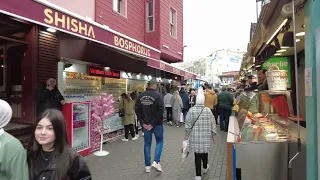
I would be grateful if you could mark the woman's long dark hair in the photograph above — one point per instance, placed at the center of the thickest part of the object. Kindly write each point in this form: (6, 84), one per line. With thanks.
(61, 145)
(133, 96)
(125, 96)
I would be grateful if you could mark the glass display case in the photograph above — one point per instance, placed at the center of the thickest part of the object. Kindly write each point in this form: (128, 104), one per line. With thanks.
(263, 115)
(263, 138)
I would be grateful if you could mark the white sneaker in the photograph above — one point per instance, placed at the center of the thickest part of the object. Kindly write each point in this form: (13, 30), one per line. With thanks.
(142, 134)
(156, 166)
(205, 171)
(137, 135)
(148, 169)
(170, 123)
(177, 126)
(135, 138)
(198, 178)
(125, 140)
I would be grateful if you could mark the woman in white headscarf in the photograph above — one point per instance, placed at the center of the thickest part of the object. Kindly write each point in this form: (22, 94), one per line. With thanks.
(176, 103)
(200, 130)
(13, 158)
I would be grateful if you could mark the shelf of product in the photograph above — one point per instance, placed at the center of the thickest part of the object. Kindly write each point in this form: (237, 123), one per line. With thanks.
(136, 86)
(81, 130)
(77, 84)
(115, 87)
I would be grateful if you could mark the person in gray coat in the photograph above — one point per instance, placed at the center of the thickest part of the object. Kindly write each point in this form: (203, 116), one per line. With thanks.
(177, 106)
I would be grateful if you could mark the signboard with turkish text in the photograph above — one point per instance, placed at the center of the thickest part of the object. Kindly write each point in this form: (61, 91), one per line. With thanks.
(283, 63)
(100, 71)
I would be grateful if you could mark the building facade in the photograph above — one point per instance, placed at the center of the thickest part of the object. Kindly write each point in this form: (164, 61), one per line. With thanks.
(211, 67)
(153, 22)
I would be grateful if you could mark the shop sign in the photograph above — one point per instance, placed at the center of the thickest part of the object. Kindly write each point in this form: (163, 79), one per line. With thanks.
(60, 20)
(283, 63)
(100, 71)
(42, 13)
(131, 46)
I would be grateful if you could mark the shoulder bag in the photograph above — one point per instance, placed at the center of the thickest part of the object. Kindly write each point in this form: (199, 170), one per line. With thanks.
(185, 143)
(122, 110)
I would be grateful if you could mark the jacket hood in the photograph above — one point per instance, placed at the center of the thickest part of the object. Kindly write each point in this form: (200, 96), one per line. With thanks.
(211, 91)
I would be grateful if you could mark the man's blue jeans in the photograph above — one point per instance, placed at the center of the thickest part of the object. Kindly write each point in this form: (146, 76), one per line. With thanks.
(158, 133)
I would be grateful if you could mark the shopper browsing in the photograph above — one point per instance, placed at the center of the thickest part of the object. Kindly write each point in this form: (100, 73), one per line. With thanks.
(149, 110)
(128, 121)
(167, 102)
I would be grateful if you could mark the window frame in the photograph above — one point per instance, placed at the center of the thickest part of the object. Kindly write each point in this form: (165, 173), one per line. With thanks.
(173, 11)
(148, 16)
(120, 7)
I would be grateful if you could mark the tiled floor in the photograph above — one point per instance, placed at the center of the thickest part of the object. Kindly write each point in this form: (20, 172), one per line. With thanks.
(125, 161)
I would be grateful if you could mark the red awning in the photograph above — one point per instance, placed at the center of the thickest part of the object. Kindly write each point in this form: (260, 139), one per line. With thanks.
(158, 64)
(76, 25)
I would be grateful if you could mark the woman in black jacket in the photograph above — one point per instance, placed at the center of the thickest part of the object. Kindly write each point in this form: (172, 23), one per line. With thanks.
(49, 154)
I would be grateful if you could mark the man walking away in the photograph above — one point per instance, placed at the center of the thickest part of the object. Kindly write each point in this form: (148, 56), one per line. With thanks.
(211, 100)
(149, 110)
(225, 102)
(167, 102)
(185, 101)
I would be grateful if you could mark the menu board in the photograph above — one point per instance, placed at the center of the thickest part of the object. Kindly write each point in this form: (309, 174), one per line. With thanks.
(80, 121)
(80, 85)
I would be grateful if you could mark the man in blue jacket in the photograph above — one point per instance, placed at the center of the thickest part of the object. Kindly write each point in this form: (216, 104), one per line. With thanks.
(149, 110)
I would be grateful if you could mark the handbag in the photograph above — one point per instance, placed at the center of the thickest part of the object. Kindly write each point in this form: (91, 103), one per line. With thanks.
(122, 110)
(185, 143)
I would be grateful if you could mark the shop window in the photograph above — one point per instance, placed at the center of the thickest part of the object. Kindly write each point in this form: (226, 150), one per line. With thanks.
(120, 6)
(150, 15)
(173, 23)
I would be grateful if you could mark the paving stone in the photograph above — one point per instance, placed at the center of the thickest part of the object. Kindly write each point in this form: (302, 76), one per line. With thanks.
(126, 160)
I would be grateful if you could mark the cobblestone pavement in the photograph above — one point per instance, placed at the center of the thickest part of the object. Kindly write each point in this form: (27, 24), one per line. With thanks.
(126, 162)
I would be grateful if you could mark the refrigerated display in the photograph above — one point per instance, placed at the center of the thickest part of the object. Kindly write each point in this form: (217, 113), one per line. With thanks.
(264, 137)
(77, 116)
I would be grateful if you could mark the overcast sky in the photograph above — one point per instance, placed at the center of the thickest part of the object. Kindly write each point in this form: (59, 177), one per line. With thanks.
(210, 25)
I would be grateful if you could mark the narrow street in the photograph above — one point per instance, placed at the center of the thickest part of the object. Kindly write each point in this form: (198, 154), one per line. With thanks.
(125, 161)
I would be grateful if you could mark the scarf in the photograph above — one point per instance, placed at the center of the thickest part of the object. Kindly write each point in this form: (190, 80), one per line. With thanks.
(5, 115)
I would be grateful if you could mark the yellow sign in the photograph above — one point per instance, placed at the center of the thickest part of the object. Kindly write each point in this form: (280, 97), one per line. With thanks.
(131, 46)
(63, 21)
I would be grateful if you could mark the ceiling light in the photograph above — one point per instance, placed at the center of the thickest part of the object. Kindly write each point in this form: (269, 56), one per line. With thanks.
(285, 47)
(278, 54)
(51, 30)
(281, 50)
(2, 66)
(300, 34)
(276, 32)
(298, 40)
(303, 26)
(258, 65)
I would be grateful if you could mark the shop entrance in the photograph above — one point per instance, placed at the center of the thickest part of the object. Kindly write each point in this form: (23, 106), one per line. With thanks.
(13, 46)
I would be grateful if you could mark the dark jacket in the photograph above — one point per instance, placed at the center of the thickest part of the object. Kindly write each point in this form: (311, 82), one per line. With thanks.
(192, 100)
(78, 169)
(251, 87)
(150, 107)
(263, 85)
(185, 98)
(47, 99)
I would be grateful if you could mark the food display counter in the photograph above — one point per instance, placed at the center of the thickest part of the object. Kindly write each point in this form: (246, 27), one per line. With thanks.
(262, 139)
